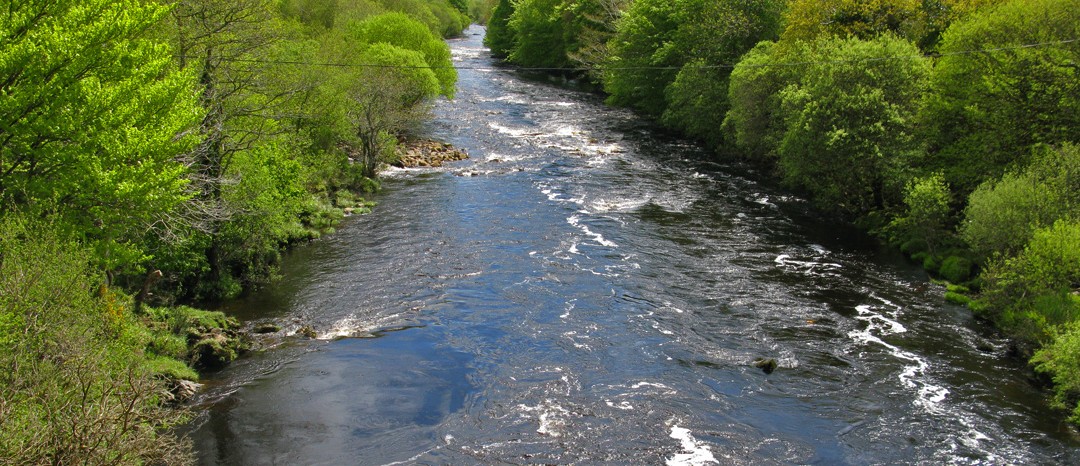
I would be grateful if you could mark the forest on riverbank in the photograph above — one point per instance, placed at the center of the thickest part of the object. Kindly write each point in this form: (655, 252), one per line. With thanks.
(163, 152)
(948, 128)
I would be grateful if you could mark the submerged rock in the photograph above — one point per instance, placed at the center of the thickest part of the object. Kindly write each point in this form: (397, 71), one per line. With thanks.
(767, 365)
(267, 328)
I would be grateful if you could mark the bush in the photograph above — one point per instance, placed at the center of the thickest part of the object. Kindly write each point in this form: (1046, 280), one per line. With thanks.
(1032, 292)
(1002, 215)
(927, 201)
(71, 391)
(956, 269)
(1060, 359)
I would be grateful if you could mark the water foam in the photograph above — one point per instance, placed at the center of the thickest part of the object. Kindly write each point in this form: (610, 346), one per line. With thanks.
(697, 453)
(575, 221)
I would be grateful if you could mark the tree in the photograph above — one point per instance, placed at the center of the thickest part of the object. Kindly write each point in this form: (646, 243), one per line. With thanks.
(714, 34)
(993, 96)
(928, 205)
(500, 38)
(850, 122)
(755, 121)
(644, 56)
(1002, 214)
(400, 30)
(540, 30)
(93, 118)
(388, 98)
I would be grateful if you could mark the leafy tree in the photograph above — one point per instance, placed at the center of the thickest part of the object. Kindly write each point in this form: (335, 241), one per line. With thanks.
(321, 13)
(480, 10)
(594, 28)
(538, 26)
(388, 99)
(987, 108)
(500, 38)
(920, 21)
(810, 19)
(755, 121)
(715, 34)
(402, 31)
(644, 56)
(928, 203)
(93, 118)
(850, 121)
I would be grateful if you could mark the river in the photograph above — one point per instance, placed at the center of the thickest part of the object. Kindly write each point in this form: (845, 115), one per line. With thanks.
(588, 290)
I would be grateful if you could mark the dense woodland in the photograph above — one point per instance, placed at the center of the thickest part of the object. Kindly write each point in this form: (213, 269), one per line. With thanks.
(948, 128)
(163, 152)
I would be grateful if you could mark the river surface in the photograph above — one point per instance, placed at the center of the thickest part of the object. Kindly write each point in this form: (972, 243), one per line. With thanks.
(587, 290)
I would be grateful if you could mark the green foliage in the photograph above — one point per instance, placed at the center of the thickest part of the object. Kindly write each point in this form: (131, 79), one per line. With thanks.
(93, 118)
(644, 58)
(956, 269)
(920, 21)
(71, 391)
(714, 33)
(986, 109)
(849, 122)
(441, 18)
(480, 10)
(1002, 215)
(538, 26)
(1060, 359)
(400, 30)
(927, 216)
(755, 121)
(500, 38)
(1032, 292)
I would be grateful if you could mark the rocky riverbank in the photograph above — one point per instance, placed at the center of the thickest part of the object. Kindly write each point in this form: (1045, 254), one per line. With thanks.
(427, 153)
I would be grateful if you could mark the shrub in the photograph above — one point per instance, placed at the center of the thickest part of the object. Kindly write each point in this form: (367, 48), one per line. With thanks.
(1060, 359)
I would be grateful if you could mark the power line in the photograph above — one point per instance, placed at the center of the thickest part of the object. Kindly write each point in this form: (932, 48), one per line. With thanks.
(649, 68)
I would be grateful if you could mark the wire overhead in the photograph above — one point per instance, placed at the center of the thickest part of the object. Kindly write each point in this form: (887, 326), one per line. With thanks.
(657, 68)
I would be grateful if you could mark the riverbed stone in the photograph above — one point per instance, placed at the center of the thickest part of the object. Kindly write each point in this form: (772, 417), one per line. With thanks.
(767, 365)
(426, 153)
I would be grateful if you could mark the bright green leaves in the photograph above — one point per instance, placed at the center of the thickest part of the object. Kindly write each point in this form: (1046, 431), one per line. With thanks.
(1002, 214)
(500, 38)
(644, 59)
(987, 108)
(400, 30)
(539, 28)
(850, 121)
(93, 118)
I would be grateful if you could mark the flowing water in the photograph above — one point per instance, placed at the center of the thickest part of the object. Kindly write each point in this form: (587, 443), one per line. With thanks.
(587, 290)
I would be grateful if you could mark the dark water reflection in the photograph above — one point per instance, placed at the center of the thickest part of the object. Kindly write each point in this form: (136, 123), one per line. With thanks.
(585, 290)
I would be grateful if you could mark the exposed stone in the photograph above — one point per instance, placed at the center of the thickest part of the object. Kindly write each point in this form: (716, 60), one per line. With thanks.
(185, 390)
(307, 331)
(767, 365)
(267, 328)
(415, 154)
